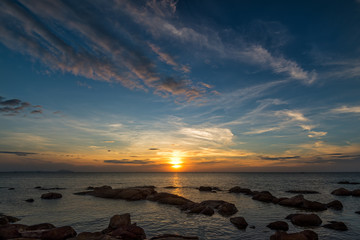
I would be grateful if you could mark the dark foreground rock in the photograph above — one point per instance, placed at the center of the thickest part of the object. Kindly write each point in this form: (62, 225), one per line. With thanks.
(341, 192)
(59, 233)
(305, 220)
(4, 219)
(302, 191)
(173, 237)
(278, 225)
(339, 226)
(51, 195)
(304, 235)
(336, 205)
(239, 222)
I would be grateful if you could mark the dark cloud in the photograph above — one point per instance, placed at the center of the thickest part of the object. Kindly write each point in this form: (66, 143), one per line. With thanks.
(22, 154)
(88, 39)
(279, 158)
(153, 149)
(13, 107)
(127, 161)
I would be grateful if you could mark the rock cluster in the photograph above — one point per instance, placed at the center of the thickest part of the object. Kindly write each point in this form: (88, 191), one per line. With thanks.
(345, 192)
(208, 189)
(297, 201)
(304, 235)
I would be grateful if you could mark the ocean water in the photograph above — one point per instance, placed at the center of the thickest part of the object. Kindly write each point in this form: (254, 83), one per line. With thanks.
(87, 213)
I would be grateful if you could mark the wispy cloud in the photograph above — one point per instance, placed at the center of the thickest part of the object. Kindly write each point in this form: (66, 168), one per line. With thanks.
(222, 135)
(346, 109)
(127, 161)
(263, 130)
(22, 154)
(293, 115)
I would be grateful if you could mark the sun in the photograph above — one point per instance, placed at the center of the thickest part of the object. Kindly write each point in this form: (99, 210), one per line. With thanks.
(175, 160)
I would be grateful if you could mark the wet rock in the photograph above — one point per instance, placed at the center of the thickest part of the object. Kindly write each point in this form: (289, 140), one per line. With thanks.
(171, 187)
(278, 225)
(208, 189)
(59, 233)
(89, 188)
(4, 219)
(347, 182)
(238, 189)
(90, 236)
(313, 205)
(168, 198)
(130, 232)
(304, 235)
(356, 193)
(239, 222)
(53, 188)
(51, 195)
(336, 205)
(207, 211)
(29, 200)
(118, 221)
(227, 209)
(302, 191)
(173, 237)
(264, 196)
(41, 226)
(11, 188)
(295, 201)
(38, 187)
(305, 220)
(10, 231)
(341, 192)
(358, 212)
(339, 226)
(104, 187)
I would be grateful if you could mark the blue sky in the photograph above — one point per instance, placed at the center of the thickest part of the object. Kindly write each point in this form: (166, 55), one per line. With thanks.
(180, 85)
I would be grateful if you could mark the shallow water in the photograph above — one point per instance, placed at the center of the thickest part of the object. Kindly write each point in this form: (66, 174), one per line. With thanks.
(87, 213)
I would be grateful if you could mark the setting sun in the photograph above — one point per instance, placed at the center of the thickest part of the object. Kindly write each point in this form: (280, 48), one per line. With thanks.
(175, 160)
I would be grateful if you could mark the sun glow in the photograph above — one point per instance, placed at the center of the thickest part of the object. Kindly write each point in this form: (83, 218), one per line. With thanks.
(175, 160)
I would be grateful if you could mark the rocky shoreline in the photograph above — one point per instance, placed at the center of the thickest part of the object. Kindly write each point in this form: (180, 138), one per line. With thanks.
(120, 226)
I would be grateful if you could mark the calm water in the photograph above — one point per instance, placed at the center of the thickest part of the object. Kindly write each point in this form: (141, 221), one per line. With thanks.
(87, 213)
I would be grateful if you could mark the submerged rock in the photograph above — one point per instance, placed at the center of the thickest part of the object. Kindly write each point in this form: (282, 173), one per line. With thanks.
(304, 235)
(238, 189)
(51, 195)
(278, 225)
(173, 237)
(341, 192)
(168, 198)
(29, 200)
(339, 226)
(239, 222)
(303, 191)
(305, 220)
(208, 189)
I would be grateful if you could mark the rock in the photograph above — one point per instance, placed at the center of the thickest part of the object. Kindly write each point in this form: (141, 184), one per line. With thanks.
(38, 187)
(358, 212)
(356, 193)
(227, 209)
(105, 187)
(264, 196)
(173, 237)
(53, 188)
(7, 219)
(207, 211)
(130, 194)
(295, 201)
(339, 226)
(10, 231)
(59, 233)
(205, 189)
(90, 236)
(40, 226)
(168, 198)
(51, 195)
(29, 200)
(302, 191)
(341, 192)
(304, 235)
(305, 220)
(239, 222)
(130, 232)
(347, 182)
(11, 188)
(313, 205)
(89, 188)
(278, 225)
(117, 221)
(171, 187)
(238, 189)
(336, 205)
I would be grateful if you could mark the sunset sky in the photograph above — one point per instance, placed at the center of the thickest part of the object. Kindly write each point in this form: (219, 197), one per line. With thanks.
(184, 85)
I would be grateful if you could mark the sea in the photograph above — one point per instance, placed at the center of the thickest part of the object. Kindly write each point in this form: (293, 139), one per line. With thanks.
(90, 214)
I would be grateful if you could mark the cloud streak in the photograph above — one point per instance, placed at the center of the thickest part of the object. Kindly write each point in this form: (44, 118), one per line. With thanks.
(127, 161)
(14, 107)
(21, 154)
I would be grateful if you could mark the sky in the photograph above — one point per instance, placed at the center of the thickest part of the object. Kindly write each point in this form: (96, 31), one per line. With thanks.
(191, 86)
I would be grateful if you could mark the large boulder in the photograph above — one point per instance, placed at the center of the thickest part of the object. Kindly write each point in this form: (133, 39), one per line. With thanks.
(339, 226)
(59, 233)
(341, 192)
(51, 195)
(295, 201)
(313, 205)
(336, 205)
(41, 226)
(278, 225)
(129, 232)
(239, 222)
(304, 235)
(227, 209)
(117, 221)
(10, 231)
(305, 220)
